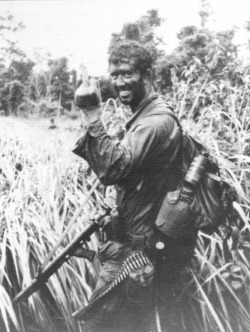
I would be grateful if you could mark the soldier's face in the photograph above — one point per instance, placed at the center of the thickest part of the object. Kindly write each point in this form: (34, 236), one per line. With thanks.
(128, 82)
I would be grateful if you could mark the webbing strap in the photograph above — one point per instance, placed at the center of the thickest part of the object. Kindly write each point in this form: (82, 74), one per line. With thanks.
(138, 242)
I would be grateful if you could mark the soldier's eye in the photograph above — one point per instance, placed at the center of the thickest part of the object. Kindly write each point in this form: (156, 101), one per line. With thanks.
(128, 74)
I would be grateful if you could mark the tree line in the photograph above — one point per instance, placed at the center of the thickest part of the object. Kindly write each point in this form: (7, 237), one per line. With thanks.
(203, 70)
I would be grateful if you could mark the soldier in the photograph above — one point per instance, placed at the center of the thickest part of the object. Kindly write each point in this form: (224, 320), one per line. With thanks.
(143, 166)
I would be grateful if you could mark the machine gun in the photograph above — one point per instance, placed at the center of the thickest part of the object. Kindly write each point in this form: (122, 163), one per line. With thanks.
(72, 249)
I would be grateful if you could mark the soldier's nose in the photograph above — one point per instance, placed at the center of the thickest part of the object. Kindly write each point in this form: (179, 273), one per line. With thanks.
(120, 81)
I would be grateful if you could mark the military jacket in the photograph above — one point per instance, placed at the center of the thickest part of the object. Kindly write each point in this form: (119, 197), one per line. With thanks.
(143, 165)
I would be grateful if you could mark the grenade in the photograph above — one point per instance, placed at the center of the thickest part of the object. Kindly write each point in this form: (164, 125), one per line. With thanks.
(195, 171)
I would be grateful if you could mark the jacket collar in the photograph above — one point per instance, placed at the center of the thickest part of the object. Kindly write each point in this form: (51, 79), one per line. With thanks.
(141, 111)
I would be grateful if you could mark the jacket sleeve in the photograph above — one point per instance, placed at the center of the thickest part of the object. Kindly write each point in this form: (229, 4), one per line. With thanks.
(113, 162)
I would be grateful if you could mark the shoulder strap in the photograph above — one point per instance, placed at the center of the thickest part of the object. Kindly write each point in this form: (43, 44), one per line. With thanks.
(171, 113)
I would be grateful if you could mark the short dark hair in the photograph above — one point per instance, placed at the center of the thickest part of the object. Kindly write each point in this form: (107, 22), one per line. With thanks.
(131, 52)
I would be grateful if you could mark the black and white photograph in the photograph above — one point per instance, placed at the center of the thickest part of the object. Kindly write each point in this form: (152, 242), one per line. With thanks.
(124, 166)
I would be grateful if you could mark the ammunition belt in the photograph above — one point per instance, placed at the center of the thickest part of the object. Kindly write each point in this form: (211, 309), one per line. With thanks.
(134, 261)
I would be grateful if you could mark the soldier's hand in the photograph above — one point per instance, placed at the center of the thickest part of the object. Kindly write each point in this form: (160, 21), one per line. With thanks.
(106, 231)
(87, 99)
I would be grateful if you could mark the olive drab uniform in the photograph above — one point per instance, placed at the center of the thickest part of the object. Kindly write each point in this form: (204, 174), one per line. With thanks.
(143, 165)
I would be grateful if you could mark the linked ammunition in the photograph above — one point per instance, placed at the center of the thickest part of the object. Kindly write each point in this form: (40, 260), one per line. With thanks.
(133, 262)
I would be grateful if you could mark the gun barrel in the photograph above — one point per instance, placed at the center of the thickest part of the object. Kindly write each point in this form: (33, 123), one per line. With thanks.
(52, 267)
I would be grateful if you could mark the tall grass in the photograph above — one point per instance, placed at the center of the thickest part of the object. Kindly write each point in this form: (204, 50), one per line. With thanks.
(41, 189)
(219, 283)
(42, 184)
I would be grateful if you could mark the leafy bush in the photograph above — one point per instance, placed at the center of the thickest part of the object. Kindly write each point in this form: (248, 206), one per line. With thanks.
(47, 108)
(12, 95)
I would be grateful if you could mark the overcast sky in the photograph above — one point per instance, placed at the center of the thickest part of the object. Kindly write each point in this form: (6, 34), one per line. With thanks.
(81, 30)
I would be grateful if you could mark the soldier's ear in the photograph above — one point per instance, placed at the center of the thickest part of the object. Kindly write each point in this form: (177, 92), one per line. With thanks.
(147, 77)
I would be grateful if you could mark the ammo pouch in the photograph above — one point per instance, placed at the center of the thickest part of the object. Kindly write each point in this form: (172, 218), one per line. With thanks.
(192, 208)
